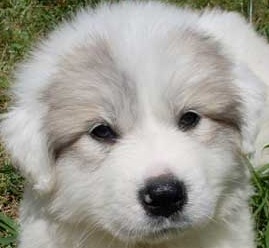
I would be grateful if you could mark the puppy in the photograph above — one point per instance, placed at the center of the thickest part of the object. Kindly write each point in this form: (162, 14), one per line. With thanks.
(132, 123)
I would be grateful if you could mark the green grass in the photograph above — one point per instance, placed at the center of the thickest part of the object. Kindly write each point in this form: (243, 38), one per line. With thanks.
(260, 204)
(23, 22)
(11, 187)
(10, 229)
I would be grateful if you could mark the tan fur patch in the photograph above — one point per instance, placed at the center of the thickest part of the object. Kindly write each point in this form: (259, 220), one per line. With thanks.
(205, 82)
(88, 88)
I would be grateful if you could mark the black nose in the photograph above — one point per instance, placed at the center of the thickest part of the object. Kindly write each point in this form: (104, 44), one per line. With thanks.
(163, 196)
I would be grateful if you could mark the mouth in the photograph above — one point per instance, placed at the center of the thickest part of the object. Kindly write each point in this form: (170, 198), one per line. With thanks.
(158, 230)
(160, 235)
(164, 233)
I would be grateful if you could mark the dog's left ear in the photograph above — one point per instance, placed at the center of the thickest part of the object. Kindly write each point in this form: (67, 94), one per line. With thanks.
(253, 94)
(26, 142)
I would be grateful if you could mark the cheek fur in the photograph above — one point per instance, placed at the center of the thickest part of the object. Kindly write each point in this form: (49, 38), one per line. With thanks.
(214, 133)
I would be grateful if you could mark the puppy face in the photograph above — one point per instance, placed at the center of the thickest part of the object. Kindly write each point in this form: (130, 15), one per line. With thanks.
(143, 149)
(134, 126)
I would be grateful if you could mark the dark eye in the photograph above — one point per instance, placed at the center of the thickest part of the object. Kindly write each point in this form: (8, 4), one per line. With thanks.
(189, 120)
(103, 132)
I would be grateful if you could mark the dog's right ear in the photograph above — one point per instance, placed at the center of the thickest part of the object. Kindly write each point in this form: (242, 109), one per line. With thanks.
(253, 96)
(26, 142)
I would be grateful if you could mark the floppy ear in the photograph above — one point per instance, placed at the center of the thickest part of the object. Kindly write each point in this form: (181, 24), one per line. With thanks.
(253, 94)
(26, 142)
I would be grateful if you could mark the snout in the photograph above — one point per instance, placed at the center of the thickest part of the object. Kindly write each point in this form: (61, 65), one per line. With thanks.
(163, 196)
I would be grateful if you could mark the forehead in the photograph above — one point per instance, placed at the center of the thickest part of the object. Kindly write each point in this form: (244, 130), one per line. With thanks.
(117, 81)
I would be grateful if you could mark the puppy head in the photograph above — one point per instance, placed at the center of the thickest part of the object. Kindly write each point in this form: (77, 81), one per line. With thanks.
(138, 135)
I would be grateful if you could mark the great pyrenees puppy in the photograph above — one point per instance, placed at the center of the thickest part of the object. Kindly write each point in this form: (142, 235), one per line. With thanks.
(131, 125)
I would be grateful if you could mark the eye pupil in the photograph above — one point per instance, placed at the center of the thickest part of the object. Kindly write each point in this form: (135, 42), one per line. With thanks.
(103, 132)
(189, 120)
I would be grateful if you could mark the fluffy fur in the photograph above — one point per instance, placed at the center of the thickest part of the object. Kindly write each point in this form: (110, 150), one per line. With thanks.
(138, 66)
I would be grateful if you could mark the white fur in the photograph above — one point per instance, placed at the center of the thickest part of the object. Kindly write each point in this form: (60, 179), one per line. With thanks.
(68, 205)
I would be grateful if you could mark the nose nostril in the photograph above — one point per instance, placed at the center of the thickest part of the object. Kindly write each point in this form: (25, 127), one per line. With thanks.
(163, 196)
